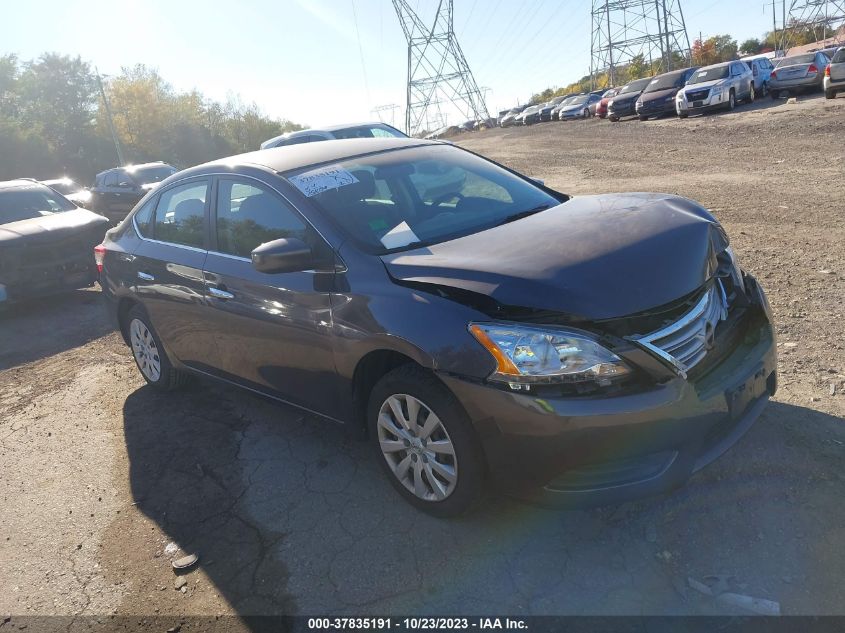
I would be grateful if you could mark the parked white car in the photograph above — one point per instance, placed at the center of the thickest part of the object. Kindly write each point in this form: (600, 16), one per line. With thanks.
(717, 86)
(834, 75)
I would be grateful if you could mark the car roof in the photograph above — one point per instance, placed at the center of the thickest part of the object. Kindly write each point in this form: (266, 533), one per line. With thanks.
(19, 182)
(155, 163)
(56, 181)
(289, 157)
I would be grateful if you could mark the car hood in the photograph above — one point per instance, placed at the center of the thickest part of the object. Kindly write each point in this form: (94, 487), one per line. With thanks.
(625, 98)
(703, 85)
(658, 95)
(591, 258)
(51, 228)
(573, 107)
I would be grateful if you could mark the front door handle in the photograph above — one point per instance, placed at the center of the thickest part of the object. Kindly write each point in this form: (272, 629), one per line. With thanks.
(220, 294)
(146, 276)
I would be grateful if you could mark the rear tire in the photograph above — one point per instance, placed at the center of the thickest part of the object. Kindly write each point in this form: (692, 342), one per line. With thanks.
(613, 119)
(683, 115)
(149, 354)
(764, 89)
(829, 94)
(445, 481)
(751, 94)
(731, 100)
(775, 94)
(643, 118)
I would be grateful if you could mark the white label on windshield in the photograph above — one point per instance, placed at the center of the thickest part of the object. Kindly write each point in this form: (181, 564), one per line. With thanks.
(399, 236)
(322, 179)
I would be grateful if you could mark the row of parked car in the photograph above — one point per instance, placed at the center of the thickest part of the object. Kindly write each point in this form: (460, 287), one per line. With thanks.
(695, 90)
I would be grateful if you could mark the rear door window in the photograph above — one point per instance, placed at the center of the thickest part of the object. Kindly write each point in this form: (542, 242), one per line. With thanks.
(144, 218)
(180, 214)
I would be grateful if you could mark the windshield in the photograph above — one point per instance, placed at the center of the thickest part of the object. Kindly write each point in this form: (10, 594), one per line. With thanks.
(635, 86)
(663, 82)
(798, 59)
(367, 131)
(608, 94)
(25, 203)
(422, 195)
(146, 175)
(64, 186)
(579, 100)
(839, 57)
(709, 74)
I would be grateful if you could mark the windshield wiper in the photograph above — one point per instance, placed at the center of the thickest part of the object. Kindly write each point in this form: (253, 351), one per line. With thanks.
(524, 214)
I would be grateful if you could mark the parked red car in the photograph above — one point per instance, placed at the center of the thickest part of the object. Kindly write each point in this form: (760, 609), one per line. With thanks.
(601, 108)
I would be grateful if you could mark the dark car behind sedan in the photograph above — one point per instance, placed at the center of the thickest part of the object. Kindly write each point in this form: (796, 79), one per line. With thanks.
(658, 97)
(46, 242)
(622, 104)
(473, 322)
(118, 189)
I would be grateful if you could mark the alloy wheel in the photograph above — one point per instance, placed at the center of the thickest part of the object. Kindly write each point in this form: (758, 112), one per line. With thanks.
(145, 350)
(417, 447)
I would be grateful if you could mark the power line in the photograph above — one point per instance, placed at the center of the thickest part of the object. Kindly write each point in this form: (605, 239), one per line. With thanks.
(361, 53)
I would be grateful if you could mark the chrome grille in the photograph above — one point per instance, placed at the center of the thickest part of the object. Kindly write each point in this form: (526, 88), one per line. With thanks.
(686, 342)
(697, 95)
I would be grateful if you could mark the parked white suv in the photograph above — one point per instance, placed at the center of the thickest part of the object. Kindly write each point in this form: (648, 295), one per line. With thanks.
(717, 86)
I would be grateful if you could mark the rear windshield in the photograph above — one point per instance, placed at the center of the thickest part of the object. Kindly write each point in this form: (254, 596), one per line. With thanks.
(423, 195)
(839, 57)
(26, 203)
(635, 86)
(662, 82)
(798, 59)
(367, 131)
(709, 74)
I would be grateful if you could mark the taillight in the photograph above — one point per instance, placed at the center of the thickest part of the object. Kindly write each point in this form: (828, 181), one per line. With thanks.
(774, 75)
(812, 69)
(827, 71)
(100, 256)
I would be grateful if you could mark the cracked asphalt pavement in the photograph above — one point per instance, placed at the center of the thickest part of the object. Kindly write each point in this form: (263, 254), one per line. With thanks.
(103, 481)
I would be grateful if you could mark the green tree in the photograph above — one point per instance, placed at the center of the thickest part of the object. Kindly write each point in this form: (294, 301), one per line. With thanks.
(751, 46)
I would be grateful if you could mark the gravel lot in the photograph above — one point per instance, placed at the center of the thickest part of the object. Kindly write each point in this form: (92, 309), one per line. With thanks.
(99, 474)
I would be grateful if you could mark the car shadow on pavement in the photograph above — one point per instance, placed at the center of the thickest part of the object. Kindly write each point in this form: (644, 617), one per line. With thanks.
(30, 330)
(290, 515)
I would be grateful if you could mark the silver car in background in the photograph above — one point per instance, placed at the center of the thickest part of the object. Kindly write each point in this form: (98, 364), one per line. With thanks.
(834, 75)
(798, 73)
(717, 86)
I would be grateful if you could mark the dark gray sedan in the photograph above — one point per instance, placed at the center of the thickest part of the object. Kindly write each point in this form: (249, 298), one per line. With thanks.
(473, 323)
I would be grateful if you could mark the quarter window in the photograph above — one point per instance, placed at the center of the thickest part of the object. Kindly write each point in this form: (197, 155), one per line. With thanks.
(180, 215)
(110, 180)
(144, 218)
(249, 215)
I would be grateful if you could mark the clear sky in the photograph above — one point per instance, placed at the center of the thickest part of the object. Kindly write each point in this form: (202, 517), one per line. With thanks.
(304, 60)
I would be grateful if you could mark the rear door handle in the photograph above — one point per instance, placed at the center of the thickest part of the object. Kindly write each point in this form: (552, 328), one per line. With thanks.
(220, 294)
(146, 276)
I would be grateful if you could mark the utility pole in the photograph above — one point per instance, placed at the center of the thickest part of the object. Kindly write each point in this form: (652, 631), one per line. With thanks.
(625, 29)
(391, 107)
(120, 160)
(438, 72)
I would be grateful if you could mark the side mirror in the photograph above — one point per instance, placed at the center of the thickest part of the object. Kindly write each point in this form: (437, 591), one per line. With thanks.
(285, 255)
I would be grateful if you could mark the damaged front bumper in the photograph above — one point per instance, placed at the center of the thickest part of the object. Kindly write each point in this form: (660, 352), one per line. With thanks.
(576, 451)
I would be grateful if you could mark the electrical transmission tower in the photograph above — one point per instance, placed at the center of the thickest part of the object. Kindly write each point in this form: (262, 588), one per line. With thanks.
(821, 18)
(626, 29)
(438, 73)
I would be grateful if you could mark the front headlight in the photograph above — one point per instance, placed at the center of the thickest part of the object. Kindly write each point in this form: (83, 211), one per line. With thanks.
(529, 355)
(610, 103)
(736, 270)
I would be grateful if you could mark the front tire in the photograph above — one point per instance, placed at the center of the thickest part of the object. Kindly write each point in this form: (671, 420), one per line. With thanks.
(775, 94)
(829, 94)
(643, 118)
(751, 94)
(683, 115)
(425, 442)
(731, 100)
(149, 354)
